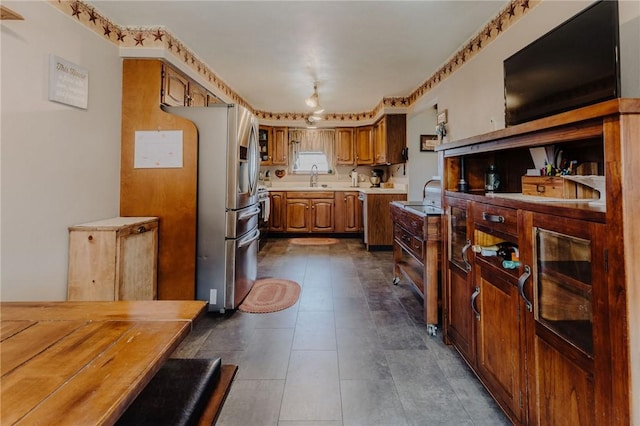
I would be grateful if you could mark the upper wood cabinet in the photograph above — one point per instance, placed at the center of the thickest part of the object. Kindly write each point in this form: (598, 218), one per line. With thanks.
(280, 148)
(198, 96)
(390, 138)
(345, 150)
(175, 87)
(179, 90)
(364, 145)
(266, 146)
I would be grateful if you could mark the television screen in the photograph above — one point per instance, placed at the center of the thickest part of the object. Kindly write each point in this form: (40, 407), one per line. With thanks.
(576, 64)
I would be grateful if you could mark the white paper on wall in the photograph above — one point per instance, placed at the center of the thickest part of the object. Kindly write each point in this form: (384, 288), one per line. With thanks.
(158, 149)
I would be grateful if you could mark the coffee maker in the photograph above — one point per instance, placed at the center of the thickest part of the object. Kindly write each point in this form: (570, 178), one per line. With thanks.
(376, 177)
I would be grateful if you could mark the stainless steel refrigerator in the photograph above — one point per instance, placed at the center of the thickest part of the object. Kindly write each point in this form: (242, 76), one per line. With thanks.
(228, 209)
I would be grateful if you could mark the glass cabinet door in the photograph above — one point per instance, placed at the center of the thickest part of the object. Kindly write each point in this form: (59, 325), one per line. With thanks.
(563, 291)
(458, 239)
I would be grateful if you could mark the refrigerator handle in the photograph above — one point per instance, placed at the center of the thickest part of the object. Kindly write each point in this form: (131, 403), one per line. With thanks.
(248, 240)
(254, 159)
(246, 215)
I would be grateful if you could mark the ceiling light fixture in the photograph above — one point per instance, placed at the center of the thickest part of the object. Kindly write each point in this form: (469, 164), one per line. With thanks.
(313, 101)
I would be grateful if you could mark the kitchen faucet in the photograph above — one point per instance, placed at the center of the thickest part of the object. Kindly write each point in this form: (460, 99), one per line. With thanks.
(313, 177)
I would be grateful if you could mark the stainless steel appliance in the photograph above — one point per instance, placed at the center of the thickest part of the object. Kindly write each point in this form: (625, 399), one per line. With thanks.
(228, 210)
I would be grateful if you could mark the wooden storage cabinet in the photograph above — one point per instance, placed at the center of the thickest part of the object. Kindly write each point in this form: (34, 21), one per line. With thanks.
(179, 90)
(280, 148)
(266, 145)
(416, 255)
(458, 288)
(348, 212)
(345, 150)
(364, 145)
(552, 340)
(390, 138)
(376, 213)
(309, 211)
(113, 259)
(277, 215)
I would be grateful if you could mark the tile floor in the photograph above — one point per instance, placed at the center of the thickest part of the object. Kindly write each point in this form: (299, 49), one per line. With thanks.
(353, 350)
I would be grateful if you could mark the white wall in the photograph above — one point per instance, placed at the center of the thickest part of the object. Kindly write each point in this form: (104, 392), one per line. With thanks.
(60, 165)
(422, 165)
(474, 95)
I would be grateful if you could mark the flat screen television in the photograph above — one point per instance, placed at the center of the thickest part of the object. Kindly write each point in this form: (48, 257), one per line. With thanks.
(576, 64)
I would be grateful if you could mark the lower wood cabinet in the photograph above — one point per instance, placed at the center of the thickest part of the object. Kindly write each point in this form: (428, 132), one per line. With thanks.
(309, 211)
(113, 259)
(553, 334)
(348, 212)
(277, 214)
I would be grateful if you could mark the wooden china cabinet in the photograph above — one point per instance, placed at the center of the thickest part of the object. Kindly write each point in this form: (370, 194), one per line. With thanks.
(553, 337)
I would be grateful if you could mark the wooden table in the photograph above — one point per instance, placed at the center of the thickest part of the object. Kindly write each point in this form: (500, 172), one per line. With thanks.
(83, 363)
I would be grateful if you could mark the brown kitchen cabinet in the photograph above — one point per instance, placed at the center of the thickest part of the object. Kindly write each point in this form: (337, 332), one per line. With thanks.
(551, 340)
(416, 255)
(364, 145)
(265, 145)
(496, 305)
(309, 211)
(280, 148)
(277, 211)
(348, 212)
(345, 150)
(458, 289)
(390, 138)
(377, 223)
(179, 90)
(113, 259)
(562, 294)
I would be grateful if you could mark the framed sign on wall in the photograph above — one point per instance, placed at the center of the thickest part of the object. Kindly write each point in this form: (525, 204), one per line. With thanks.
(428, 142)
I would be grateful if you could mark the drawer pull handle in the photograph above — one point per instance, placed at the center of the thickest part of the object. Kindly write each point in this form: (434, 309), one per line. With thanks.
(521, 281)
(540, 188)
(474, 296)
(142, 229)
(464, 255)
(492, 217)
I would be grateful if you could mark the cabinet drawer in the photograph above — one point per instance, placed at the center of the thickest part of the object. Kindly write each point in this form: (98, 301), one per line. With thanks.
(309, 194)
(413, 244)
(414, 224)
(501, 219)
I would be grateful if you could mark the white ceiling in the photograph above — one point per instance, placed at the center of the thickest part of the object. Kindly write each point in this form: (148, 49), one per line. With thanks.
(271, 52)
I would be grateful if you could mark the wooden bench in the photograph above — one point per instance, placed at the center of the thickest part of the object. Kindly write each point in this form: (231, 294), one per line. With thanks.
(183, 392)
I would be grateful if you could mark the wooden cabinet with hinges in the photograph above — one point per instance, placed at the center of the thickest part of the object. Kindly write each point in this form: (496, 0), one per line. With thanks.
(550, 332)
(113, 259)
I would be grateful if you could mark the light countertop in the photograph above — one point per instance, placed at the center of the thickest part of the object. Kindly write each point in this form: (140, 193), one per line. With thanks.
(365, 190)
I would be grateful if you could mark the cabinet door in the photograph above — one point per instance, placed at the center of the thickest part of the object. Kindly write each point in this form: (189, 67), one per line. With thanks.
(280, 146)
(345, 152)
(175, 88)
(364, 145)
(277, 213)
(498, 343)
(352, 212)
(567, 328)
(380, 142)
(321, 215)
(297, 216)
(198, 96)
(92, 265)
(137, 263)
(459, 326)
(264, 142)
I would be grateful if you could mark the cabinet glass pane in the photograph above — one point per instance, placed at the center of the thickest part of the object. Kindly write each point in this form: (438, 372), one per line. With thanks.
(563, 291)
(458, 235)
